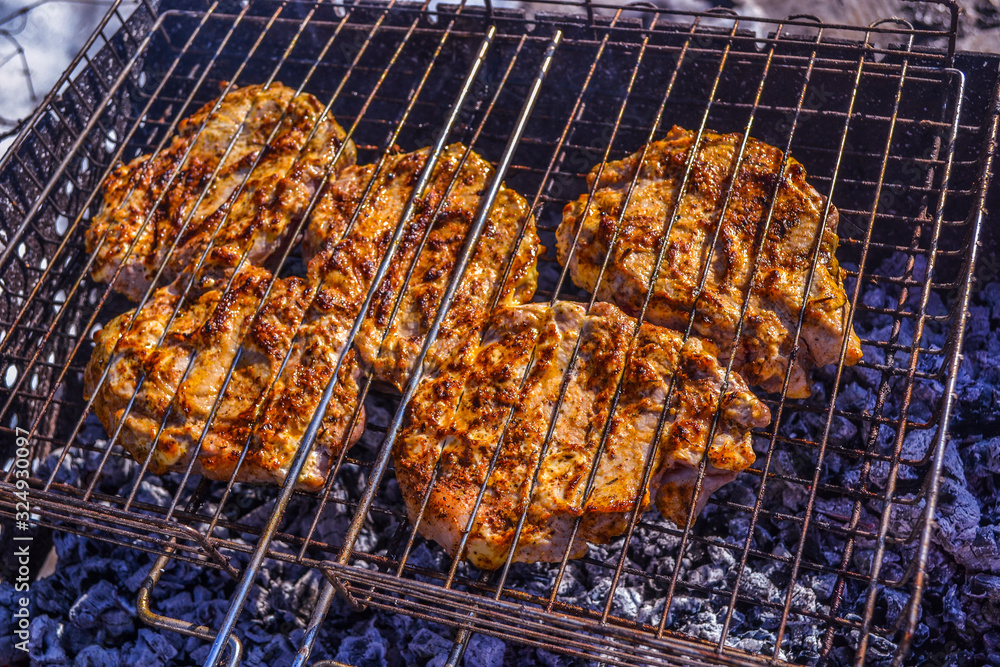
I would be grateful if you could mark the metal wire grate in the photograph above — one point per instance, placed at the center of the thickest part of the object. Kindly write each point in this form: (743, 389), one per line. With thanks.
(878, 123)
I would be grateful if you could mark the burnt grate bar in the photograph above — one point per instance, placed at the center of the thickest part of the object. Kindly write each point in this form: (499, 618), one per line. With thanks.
(795, 536)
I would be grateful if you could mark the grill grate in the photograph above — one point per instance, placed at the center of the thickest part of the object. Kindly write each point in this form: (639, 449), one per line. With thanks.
(878, 122)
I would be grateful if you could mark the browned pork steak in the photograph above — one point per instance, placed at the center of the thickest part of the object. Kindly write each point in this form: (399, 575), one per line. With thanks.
(457, 417)
(795, 235)
(346, 264)
(203, 340)
(256, 219)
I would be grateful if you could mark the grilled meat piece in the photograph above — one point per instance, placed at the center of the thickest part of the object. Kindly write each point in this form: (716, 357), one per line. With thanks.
(205, 336)
(261, 213)
(782, 269)
(457, 418)
(347, 264)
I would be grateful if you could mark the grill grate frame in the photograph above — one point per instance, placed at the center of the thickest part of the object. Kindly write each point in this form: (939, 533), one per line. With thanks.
(46, 185)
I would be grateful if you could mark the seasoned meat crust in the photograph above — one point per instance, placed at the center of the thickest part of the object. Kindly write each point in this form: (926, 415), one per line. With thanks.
(260, 215)
(458, 413)
(347, 264)
(783, 265)
(206, 335)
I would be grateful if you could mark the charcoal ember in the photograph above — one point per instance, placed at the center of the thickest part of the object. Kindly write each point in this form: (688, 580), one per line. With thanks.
(838, 510)
(794, 497)
(926, 396)
(651, 611)
(991, 639)
(199, 655)
(978, 389)
(822, 584)
(978, 325)
(569, 586)
(91, 431)
(365, 647)
(953, 612)
(894, 601)
(739, 528)
(66, 471)
(854, 397)
(44, 645)
(423, 556)
(982, 457)
(8, 598)
(626, 602)
(984, 552)
(803, 598)
(864, 374)
(259, 515)
(758, 586)
(707, 576)
(97, 656)
(681, 607)
(151, 492)
(706, 624)
(880, 651)
(177, 605)
(978, 404)
(484, 651)
(918, 446)
(98, 614)
(426, 644)
(150, 649)
(751, 645)
(550, 659)
(920, 634)
(208, 609)
(958, 523)
(274, 651)
(905, 520)
(893, 566)
(801, 640)
(843, 432)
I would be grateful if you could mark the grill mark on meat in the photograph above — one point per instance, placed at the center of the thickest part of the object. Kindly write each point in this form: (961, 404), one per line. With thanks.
(764, 351)
(350, 262)
(457, 414)
(206, 334)
(261, 215)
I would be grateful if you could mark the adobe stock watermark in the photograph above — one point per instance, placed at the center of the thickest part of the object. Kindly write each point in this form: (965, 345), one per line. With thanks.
(21, 540)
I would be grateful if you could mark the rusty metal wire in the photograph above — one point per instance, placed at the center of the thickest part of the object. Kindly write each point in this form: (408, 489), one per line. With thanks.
(905, 176)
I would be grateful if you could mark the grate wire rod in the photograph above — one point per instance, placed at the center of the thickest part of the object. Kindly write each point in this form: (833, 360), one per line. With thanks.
(390, 142)
(776, 419)
(149, 291)
(472, 237)
(902, 348)
(416, 254)
(308, 439)
(497, 449)
(415, 523)
(358, 408)
(232, 366)
(884, 388)
(985, 179)
(872, 589)
(554, 415)
(65, 244)
(191, 275)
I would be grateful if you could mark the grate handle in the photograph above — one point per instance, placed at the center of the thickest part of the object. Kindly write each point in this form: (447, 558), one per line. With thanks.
(148, 616)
